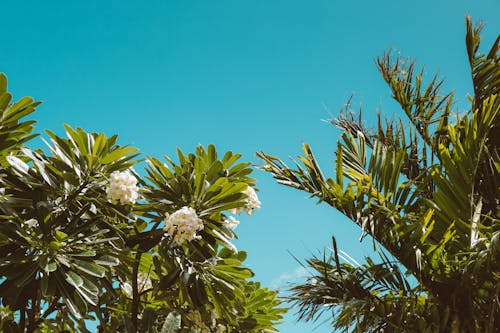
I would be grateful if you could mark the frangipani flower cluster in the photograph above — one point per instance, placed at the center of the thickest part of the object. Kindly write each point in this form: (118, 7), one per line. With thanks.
(123, 187)
(182, 225)
(252, 202)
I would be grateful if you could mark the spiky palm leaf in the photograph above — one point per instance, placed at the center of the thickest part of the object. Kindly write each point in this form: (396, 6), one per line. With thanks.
(428, 192)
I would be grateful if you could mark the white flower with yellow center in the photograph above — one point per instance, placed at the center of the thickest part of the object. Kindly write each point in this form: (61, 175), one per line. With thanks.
(182, 225)
(123, 187)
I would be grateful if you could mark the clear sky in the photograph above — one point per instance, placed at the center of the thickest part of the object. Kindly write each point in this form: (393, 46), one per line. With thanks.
(243, 75)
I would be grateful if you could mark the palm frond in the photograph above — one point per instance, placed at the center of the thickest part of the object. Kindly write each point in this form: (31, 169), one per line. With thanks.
(427, 190)
(366, 298)
(485, 69)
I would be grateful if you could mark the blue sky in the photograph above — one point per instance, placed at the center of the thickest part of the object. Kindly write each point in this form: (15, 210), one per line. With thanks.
(243, 75)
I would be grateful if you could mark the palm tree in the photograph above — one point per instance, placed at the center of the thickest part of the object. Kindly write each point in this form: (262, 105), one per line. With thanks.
(426, 189)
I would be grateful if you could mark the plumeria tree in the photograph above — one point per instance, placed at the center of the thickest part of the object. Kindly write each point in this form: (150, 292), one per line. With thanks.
(86, 241)
(426, 189)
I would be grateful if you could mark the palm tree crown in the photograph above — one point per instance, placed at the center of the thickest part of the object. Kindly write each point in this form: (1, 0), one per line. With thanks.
(427, 190)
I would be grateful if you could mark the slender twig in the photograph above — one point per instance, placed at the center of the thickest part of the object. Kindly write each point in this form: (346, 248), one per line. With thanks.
(53, 307)
(22, 319)
(33, 311)
(32, 323)
(102, 319)
(135, 292)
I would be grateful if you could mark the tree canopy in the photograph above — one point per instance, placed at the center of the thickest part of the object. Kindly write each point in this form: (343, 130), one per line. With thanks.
(84, 238)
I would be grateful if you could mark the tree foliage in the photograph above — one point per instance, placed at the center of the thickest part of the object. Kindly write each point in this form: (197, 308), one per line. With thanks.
(426, 188)
(71, 253)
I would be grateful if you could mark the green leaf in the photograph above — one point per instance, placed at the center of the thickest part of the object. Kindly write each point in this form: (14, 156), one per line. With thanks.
(99, 145)
(148, 320)
(118, 154)
(5, 99)
(89, 268)
(61, 236)
(167, 281)
(237, 272)
(74, 279)
(172, 323)
(107, 260)
(18, 164)
(50, 267)
(3, 83)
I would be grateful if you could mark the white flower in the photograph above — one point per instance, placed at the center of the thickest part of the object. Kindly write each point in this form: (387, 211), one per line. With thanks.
(182, 225)
(231, 222)
(220, 329)
(252, 202)
(31, 223)
(123, 187)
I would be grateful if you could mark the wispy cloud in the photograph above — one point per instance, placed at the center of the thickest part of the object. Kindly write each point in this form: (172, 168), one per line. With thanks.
(289, 277)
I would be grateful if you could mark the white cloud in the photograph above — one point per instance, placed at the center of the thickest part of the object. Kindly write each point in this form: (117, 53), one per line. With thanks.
(289, 277)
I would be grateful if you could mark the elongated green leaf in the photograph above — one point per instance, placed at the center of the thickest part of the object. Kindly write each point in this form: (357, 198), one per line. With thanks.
(118, 154)
(172, 323)
(89, 268)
